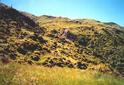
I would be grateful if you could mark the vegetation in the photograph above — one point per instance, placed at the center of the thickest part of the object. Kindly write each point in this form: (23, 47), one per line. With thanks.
(48, 41)
(23, 74)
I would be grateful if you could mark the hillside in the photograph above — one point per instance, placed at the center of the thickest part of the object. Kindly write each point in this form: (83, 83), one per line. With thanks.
(85, 43)
(14, 30)
(56, 41)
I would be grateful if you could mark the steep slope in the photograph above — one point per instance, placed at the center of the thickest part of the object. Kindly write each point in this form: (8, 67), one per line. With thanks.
(84, 43)
(15, 29)
(31, 16)
(80, 43)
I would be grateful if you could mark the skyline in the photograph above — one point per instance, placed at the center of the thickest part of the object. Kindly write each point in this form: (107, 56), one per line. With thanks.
(101, 10)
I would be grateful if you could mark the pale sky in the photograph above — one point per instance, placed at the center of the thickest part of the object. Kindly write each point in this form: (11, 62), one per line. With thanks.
(102, 10)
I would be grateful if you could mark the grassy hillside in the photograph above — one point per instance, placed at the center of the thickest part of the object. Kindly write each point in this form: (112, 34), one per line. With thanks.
(84, 42)
(48, 41)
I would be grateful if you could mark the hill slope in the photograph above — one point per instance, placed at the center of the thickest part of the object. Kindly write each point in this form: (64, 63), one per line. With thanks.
(15, 28)
(57, 41)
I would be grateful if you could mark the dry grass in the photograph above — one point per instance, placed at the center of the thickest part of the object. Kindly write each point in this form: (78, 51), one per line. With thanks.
(16, 74)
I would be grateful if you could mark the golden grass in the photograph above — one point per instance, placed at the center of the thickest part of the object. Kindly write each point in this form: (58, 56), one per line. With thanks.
(18, 74)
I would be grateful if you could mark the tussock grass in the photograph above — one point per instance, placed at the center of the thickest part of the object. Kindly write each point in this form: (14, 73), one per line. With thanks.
(18, 74)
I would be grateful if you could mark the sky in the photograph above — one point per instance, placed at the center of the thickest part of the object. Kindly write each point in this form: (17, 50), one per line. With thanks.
(102, 10)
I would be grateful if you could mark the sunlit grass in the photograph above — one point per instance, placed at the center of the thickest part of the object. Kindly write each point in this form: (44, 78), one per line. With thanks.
(16, 74)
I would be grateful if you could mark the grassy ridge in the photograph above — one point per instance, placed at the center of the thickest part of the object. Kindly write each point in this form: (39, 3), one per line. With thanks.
(16, 74)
